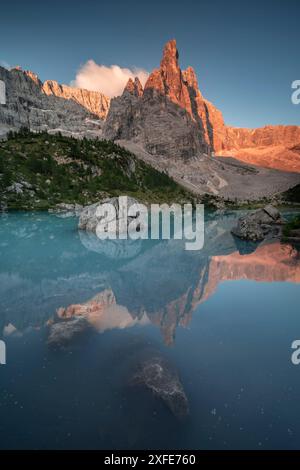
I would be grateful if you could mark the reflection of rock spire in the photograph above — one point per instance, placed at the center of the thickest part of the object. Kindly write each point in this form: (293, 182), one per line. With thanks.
(174, 314)
(269, 263)
(272, 262)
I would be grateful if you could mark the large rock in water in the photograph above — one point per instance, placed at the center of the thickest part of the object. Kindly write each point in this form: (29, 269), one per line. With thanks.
(62, 333)
(157, 375)
(65, 210)
(89, 219)
(259, 224)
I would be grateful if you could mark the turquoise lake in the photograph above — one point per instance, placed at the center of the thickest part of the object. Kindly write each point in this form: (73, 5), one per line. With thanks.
(224, 317)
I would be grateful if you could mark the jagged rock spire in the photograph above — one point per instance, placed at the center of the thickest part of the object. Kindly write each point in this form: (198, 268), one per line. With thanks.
(138, 86)
(170, 56)
(168, 92)
(168, 79)
(190, 77)
(134, 87)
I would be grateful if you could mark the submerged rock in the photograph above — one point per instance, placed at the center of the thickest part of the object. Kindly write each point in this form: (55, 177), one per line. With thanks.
(63, 332)
(113, 249)
(259, 224)
(67, 210)
(157, 375)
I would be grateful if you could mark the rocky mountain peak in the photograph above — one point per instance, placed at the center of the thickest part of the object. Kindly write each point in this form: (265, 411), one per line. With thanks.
(172, 108)
(155, 83)
(190, 77)
(138, 86)
(134, 87)
(168, 80)
(51, 87)
(34, 77)
(129, 86)
(170, 55)
(164, 118)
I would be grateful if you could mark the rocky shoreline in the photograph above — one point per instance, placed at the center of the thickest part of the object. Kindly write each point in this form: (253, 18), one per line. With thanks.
(264, 224)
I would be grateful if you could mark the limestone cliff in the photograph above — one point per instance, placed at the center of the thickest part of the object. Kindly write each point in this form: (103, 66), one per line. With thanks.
(269, 146)
(49, 106)
(95, 102)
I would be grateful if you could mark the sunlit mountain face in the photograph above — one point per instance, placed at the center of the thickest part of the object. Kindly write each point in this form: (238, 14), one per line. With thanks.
(81, 316)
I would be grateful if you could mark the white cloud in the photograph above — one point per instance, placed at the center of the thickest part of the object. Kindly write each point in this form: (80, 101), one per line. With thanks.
(109, 80)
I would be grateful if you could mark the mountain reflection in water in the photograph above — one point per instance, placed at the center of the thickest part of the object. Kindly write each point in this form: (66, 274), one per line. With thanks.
(273, 262)
(226, 382)
(119, 283)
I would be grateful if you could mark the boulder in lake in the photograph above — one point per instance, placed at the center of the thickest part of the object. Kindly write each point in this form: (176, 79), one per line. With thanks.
(259, 224)
(65, 210)
(157, 375)
(62, 333)
(90, 217)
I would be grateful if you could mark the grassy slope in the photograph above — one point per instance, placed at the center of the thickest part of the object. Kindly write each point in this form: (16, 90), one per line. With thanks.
(63, 169)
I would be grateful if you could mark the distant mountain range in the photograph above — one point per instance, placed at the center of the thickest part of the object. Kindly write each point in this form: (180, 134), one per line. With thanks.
(168, 124)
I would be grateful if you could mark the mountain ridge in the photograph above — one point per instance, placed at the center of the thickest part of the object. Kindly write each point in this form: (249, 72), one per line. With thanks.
(49, 106)
(179, 88)
(272, 146)
(168, 124)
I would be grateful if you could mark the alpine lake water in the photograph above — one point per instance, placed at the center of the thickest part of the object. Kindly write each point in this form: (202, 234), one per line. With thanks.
(223, 317)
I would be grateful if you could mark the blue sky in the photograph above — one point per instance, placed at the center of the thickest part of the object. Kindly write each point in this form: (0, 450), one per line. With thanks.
(245, 53)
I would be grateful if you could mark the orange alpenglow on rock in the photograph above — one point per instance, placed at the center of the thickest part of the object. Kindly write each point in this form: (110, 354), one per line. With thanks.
(134, 87)
(169, 80)
(93, 101)
(171, 117)
(270, 146)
